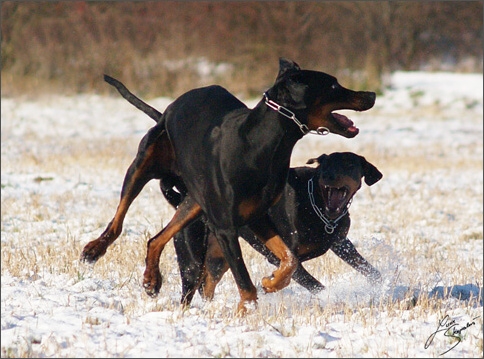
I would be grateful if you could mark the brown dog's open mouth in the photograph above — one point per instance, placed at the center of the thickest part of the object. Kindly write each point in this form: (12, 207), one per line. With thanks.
(342, 125)
(335, 200)
(347, 126)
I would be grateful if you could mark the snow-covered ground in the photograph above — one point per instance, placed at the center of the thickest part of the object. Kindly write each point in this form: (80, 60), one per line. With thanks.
(63, 160)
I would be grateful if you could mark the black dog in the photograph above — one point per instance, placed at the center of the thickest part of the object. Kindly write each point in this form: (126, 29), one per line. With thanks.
(231, 165)
(312, 217)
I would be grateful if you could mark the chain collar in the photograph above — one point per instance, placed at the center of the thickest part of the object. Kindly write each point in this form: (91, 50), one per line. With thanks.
(291, 115)
(329, 224)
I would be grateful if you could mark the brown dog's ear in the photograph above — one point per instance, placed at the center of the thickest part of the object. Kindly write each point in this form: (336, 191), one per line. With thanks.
(371, 173)
(290, 91)
(286, 65)
(294, 95)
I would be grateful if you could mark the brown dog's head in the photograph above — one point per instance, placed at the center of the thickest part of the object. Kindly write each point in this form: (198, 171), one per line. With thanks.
(315, 95)
(339, 178)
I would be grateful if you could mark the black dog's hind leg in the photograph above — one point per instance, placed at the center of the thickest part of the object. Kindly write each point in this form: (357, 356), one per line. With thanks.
(215, 267)
(144, 168)
(187, 212)
(191, 257)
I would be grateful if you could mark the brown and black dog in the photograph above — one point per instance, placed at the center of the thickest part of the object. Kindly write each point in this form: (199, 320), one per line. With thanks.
(231, 164)
(312, 217)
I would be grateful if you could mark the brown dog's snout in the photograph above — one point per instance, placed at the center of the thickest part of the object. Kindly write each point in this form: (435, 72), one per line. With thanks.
(366, 100)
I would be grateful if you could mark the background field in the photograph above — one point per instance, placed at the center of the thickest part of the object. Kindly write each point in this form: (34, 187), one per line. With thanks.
(63, 162)
(67, 139)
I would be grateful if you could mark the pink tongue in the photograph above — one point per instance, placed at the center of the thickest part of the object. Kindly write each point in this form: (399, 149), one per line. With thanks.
(343, 120)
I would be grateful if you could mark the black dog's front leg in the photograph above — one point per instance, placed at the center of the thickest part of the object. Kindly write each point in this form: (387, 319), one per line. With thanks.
(302, 277)
(347, 252)
(229, 242)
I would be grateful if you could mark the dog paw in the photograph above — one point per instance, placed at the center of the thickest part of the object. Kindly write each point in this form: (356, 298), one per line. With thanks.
(375, 278)
(152, 281)
(316, 289)
(92, 252)
(272, 284)
(245, 307)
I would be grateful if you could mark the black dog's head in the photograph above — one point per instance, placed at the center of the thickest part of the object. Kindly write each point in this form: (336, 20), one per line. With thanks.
(339, 178)
(315, 95)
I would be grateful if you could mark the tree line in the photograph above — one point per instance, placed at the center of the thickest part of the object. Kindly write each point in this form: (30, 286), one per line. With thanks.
(164, 48)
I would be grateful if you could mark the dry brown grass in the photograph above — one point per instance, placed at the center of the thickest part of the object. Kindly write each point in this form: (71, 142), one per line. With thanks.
(127, 255)
(67, 46)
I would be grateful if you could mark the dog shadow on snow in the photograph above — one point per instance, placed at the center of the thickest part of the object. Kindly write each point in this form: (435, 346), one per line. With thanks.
(470, 293)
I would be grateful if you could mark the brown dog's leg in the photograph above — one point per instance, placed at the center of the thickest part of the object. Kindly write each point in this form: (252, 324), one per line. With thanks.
(144, 168)
(347, 252)
(267, 233)
(191, 249)
(187, 212)
(132, 187)
(229, 242)
(215, 268)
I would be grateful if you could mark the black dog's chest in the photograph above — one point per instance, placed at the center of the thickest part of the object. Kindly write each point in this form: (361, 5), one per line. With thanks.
(303, 230)
(311, 229)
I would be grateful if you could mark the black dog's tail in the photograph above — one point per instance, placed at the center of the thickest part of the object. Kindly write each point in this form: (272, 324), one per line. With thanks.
(132, 99)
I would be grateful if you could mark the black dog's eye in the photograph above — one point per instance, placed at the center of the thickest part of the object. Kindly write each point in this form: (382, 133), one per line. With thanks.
(335, 86)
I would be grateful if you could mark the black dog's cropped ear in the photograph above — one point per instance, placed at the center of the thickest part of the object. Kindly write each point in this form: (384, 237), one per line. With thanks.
(319, 160)
(286, 65)
(294, 93)
(371, 173)
(290, 91)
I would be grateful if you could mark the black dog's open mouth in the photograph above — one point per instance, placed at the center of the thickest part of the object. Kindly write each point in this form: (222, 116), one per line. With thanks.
(358, 101)
(345, 123)
(335, 200)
